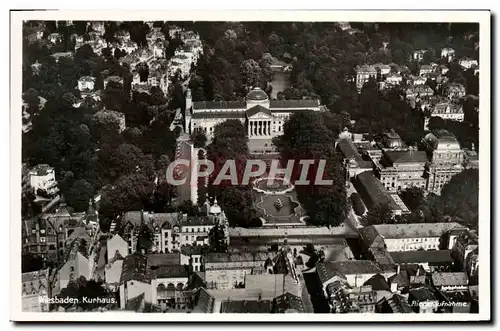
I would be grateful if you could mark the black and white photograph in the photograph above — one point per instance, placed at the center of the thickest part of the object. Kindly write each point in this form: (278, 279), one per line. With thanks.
(322, 165)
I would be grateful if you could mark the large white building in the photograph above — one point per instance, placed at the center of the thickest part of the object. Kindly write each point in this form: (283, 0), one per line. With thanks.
(262, 118)
(43, 177)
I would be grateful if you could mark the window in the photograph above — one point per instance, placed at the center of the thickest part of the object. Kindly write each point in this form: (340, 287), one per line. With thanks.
(198, 230)
(42, 239)
(192, 229)
(187, 237)
(195, 260)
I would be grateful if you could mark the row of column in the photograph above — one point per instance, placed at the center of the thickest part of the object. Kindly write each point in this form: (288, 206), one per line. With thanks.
(259, 128)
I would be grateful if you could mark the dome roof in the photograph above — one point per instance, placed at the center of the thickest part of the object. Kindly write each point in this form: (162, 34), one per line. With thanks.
(257, 94)
(215, 209)
(442, 140)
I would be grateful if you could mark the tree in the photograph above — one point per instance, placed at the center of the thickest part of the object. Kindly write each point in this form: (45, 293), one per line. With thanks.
(199, 138)
(30, 262)
(82, 288)
(79, 195)
(357, 204)
(217, 240)
(460, 197)
(129, 192)
(378, 214)
(413, 197)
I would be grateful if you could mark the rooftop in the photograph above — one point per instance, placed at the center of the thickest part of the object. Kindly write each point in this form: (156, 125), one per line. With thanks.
(450, 279)
(171, 271)
(237, 257)
(422, 294)
(328, 270)
(157, 260)
(375, 190)
(297, 104)
(246, 306)
(288, 302)
(440, 256)
(410, 156)
(135, 268)
(412, 230)
(219, 105)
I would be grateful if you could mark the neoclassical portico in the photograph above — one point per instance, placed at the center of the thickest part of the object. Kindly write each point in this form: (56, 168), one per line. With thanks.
(259, 128)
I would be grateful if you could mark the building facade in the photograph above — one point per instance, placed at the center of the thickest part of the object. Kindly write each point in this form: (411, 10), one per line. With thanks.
(262, 118)
(446, 159)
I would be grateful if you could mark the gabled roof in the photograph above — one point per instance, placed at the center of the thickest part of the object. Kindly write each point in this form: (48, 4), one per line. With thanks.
(378, 283)
(258, 109)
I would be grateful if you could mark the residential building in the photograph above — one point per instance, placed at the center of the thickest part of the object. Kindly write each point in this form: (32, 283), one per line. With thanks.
(430, 261)
(448, 53)
(416, 80)
(425, 70)
(171, 230)
(418, 91)
(464, 245)
(36, 285)
(228, 270)
(355, 272)
(47, 236)
(468, 63)
(363, 75)
(86, 83)
(54, 38)
(393, 79)
(98, 26)
(448, 111)
(419, 54)
(60, 55)
(455, 91)
(407, 237)
(450, 281)
(135, 280)
(43, 177)
(446, 159)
